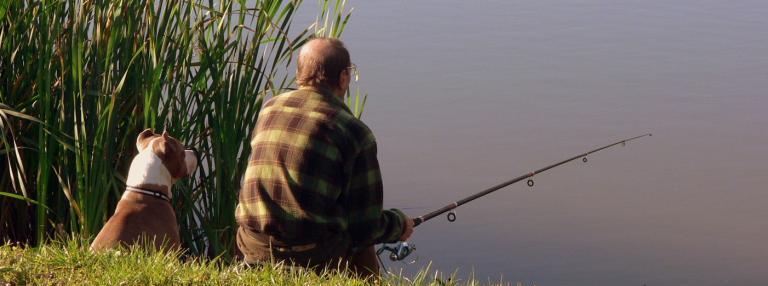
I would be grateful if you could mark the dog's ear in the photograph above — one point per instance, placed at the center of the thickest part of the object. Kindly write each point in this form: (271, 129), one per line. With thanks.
(143, 139)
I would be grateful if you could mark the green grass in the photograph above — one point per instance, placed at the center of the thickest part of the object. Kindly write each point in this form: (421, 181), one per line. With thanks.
(70, 263)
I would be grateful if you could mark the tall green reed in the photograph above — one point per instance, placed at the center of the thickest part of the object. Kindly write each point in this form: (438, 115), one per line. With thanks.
(80, 79)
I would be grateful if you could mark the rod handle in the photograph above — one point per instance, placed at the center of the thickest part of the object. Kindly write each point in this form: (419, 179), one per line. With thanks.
(417, 221)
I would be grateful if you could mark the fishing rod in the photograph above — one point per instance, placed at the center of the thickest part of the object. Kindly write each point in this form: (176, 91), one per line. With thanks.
(403, 249)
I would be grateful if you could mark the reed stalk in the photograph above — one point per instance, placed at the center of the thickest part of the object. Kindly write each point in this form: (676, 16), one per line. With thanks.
(80, 79)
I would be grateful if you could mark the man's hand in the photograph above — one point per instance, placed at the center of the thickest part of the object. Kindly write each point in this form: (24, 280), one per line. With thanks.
(408, 229)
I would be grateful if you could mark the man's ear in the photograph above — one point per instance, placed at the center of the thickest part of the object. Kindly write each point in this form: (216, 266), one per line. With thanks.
(143, 139)
(346, 77)
(344, 80)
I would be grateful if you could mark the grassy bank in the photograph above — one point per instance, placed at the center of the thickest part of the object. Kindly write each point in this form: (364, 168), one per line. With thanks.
(71, 263)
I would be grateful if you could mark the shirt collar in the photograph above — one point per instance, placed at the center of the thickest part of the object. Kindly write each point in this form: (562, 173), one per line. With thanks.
(328, 95)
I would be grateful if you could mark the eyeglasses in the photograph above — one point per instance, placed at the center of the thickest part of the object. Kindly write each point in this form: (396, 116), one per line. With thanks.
(353, 71)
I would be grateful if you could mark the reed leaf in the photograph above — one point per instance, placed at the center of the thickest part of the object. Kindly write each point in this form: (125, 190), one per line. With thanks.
(80, 79)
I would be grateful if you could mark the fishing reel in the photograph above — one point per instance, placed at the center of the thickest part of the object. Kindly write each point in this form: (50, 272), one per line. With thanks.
(397, 252)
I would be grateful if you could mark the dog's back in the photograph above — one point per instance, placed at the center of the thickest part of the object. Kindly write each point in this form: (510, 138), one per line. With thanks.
(140, 219)
(144, 214)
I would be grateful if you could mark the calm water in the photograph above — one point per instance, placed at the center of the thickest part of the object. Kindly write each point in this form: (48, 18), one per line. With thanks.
(466, 94)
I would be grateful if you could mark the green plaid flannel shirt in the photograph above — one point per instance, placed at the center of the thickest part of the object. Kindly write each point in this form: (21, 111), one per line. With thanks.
(313, 175)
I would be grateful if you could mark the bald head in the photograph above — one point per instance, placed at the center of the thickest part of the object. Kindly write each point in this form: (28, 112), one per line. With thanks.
(322, 61)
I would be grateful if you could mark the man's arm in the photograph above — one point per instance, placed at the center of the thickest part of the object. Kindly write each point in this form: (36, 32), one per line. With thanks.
(368, 223)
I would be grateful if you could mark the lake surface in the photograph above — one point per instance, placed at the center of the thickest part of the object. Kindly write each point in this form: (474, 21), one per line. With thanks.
(466, 94)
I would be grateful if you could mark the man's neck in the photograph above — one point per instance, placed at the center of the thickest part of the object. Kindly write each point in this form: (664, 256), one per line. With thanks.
(333, 91)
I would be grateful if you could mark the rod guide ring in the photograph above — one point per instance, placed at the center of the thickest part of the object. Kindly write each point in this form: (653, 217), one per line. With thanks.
(451, 216)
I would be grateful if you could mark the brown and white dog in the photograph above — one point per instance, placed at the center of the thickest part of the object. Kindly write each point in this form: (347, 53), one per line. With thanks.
(144, 212)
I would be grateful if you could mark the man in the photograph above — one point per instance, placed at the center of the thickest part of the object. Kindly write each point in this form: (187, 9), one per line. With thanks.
(312, 192)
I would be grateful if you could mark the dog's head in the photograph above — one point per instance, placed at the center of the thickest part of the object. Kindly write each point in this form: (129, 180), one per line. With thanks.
(179, 161)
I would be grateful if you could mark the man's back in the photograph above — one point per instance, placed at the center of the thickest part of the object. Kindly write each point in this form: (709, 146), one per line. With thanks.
(312, 193)
(312, 175)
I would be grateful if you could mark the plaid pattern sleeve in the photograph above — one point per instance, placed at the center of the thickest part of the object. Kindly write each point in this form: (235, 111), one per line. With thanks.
(368, 223)
(313, 175)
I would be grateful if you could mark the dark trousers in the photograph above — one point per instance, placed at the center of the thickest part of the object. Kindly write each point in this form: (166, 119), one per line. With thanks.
(259, 248)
